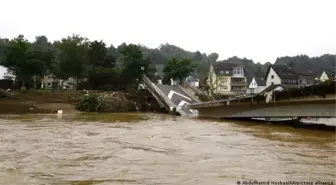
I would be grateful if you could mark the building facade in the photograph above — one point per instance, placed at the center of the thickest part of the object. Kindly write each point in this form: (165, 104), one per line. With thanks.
(326, 75)
(256, 85)
(50, 81)
(227, 79)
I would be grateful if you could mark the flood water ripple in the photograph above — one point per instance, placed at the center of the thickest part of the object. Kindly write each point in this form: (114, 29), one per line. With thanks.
(158, 149)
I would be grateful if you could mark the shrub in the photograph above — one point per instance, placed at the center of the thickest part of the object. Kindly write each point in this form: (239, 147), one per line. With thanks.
(106, 102)
(91, 103)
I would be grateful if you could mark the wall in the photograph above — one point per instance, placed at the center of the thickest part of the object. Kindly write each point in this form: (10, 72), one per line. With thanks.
(275, 80)
(259, 89)
(253, 84)
(225, 82)
(254, 88)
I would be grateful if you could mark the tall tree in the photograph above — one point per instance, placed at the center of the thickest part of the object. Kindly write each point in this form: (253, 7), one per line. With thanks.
(133, 64)
(178, 69)
(73, 57)
(45, 52)
(3, 43)
(102, 74)
(213, 57)
(21, 59)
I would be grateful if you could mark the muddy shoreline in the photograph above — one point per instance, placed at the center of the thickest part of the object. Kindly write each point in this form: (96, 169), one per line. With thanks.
(46, 102)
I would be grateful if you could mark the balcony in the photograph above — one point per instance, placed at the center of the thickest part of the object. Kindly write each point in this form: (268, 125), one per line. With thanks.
(238, 83)
(238, 75)
(239, 91)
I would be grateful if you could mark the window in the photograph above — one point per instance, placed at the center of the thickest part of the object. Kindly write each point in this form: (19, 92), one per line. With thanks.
(226, 72)
(272, 83)
(221, 72)
(272, 77)
(238, 71)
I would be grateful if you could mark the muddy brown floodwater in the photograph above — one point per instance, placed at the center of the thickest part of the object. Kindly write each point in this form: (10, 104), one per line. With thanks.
(155, 149)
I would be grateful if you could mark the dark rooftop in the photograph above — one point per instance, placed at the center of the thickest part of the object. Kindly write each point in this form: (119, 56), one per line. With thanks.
(224, 67)
(260, 81)
(283, 71)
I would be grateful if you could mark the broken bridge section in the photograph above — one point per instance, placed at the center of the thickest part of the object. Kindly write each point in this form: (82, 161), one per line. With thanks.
(172, 97)
(178, 97)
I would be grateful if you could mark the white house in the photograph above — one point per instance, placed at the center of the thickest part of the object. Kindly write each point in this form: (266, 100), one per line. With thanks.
(256, 85)
(326, 75)
(50, 81)
(281, 74)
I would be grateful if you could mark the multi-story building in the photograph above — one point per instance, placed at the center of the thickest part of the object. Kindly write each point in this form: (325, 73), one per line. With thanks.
(305, 78)
(227, 79)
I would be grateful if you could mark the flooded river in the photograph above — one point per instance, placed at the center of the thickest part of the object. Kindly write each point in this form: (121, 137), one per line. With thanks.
(158, 149)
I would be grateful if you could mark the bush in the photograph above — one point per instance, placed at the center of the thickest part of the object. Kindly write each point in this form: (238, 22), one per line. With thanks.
(106, 102)
(91, 103)
(203, 97)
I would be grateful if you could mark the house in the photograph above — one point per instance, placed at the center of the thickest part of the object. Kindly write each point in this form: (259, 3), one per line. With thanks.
(51, 81)
(192, 81)
(326, 75)
(256, 85)
(281, 74)
(9, 76)
(227, 79)
(305, 78)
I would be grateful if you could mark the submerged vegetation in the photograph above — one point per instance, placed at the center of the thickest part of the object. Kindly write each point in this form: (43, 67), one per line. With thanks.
(106, 102)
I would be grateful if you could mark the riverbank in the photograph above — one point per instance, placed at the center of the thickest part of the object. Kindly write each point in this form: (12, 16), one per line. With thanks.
(44, 101)
(38, 101)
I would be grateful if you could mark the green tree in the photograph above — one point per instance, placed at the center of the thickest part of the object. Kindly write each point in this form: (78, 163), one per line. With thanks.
(45, 52)
(133, 65)
(73, 57)
(102, 74)
(3, 43)
(22, 59)
(213, 57)
(177, 69)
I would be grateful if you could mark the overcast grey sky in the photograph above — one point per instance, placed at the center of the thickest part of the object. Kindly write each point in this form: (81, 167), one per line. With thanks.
(257, 29)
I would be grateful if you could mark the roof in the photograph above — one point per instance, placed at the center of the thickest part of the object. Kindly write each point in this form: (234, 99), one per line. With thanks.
(260, 81)
(329, 73)
(271, 88)
(225, 67)
(283, 71)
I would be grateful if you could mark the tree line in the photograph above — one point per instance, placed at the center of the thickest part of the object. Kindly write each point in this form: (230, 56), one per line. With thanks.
(99, 66)
(93, 64)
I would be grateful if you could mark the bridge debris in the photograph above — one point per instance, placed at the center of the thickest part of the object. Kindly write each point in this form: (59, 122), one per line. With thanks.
(320, 90)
